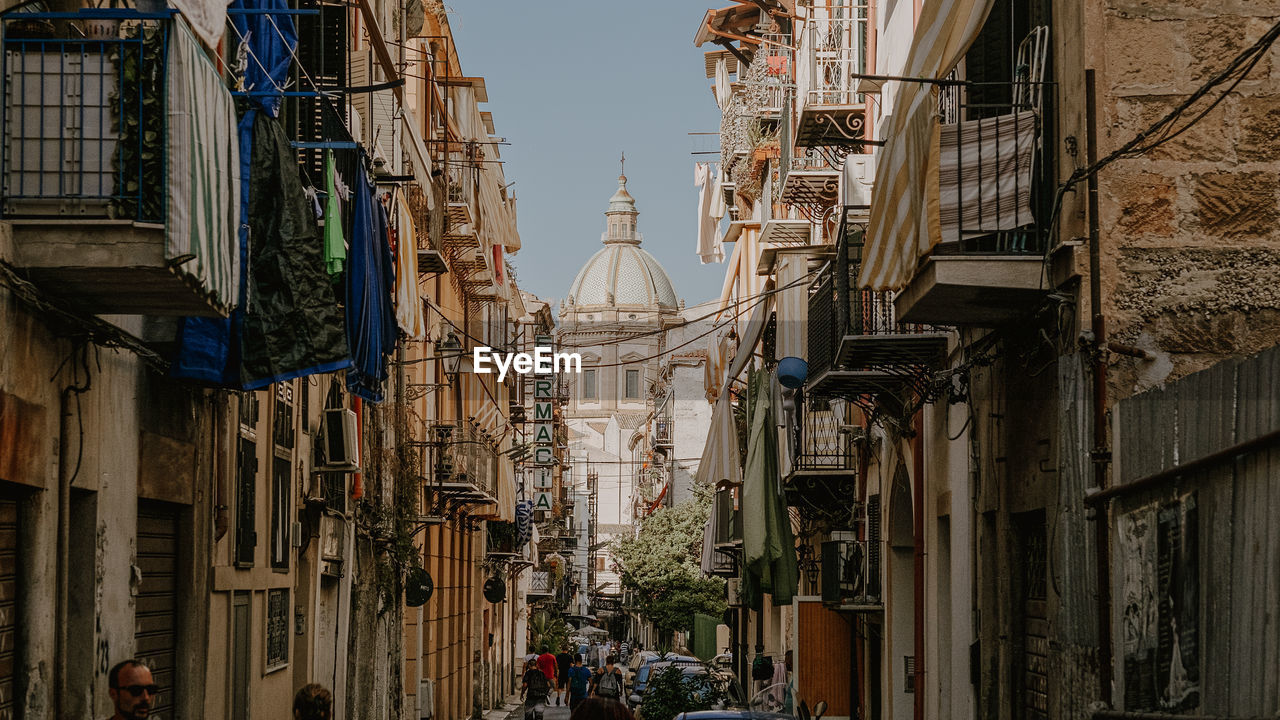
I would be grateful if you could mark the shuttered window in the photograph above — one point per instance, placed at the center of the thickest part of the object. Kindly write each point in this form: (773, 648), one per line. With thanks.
(8, 608)
(155, 634)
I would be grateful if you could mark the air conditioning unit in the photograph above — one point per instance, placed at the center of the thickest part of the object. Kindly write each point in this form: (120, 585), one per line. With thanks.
(734, 586)
(341, 441)
(426, 699)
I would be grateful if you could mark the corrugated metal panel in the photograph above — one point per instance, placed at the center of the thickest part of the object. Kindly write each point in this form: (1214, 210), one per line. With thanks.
(156, 614)
(1236, 567)
(8, 607)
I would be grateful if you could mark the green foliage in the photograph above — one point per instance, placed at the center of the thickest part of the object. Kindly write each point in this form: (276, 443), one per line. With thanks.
(670, 693)
(547, 632)
(661, 567)
(139, 155)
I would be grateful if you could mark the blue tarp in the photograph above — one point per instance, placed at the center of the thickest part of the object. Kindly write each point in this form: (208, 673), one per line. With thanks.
(371, 275)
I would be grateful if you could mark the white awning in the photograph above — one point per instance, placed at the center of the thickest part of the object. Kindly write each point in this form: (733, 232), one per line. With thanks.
(904, 206)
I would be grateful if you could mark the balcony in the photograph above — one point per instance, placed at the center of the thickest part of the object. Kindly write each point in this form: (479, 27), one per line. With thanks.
(464, 465)
(833, 47)
(500, 540)
(857, 345)
(811, 182)
(540, 583)
(987, 268)
(91, 128)
(727, 528)
(663, 434)
(823, 472)
(460, 224)
(851, 575)
(769, 78)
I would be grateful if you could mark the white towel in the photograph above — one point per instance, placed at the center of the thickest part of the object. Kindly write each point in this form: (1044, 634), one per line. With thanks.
(710, 247)
(409, 314)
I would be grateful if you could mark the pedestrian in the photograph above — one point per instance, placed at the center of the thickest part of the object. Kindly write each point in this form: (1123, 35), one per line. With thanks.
(533, 689)
(579, 682)
(598, 708)
(313, 702)
(564, 660)
(132, 689)
(608, 682)
(547, 664)
(624, 653)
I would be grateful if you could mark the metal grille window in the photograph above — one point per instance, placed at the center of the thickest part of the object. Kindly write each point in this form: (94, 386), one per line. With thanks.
(277, 628)
(246, 505)
(588, 384)
(633, 384)
(280, 513)
(282, 424)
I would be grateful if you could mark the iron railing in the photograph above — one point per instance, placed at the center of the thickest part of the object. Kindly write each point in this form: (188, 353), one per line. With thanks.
(540, 583)
(821, 442)
(662, 433)
(85, 122)
(464, 458)
(851, 574)
(834, 51)
(728, 516)
(837, 307)
(770, 75)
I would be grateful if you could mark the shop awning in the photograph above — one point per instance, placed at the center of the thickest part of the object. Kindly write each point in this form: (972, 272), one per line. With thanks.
(904, 208)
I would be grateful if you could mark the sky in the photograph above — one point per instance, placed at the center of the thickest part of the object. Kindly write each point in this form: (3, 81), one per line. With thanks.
(572, 84)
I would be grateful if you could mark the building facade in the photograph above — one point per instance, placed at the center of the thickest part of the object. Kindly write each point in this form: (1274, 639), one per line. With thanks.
(1012, 224)
(239, 462)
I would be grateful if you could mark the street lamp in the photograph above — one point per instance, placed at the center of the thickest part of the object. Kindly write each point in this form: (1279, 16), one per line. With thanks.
(450, 351)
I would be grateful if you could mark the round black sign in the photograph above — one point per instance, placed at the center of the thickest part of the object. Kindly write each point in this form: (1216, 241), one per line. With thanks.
(495, 591)
(418, 587)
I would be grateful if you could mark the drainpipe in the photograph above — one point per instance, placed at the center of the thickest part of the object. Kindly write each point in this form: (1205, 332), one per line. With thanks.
(917, 481)
(66, 476)
(1101, 454)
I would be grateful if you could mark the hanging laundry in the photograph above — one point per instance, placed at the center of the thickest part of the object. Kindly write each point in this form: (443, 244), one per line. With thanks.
(709, 249)
(408, 302)
(371, 317)
(293, 326)
(335, 245)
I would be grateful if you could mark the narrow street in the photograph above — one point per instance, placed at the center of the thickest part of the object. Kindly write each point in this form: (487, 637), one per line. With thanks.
(772, 360)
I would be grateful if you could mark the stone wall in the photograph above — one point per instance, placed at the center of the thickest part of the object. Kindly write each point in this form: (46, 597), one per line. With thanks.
(1190, 232)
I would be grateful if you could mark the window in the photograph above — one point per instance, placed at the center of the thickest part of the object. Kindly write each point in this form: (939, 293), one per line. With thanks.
(277, 628)
(599, 564)
(633, 384)
(280, 524)
(588, 384)
(246, 485)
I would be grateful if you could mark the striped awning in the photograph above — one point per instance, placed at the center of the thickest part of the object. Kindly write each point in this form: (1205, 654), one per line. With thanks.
(904, 222)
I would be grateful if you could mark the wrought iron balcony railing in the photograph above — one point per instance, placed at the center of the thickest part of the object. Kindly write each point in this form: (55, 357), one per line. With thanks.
(85, 121)
(852, 329)
(832, 52)
(464, 463)
(822, 441)
(540, 583)
(851, 575)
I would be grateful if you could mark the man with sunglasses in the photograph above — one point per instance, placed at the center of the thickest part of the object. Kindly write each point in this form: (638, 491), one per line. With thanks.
(132, 690)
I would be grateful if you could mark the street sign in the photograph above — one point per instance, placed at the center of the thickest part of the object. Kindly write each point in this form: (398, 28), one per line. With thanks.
(542, 479)
(543, 388)
(543, 456)
(542, 434)
(542, 501)
(542, 411)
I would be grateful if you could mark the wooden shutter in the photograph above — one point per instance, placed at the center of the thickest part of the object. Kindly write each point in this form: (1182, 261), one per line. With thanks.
(8, 607)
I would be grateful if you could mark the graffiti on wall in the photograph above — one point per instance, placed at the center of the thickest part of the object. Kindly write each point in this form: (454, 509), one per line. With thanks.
(1160, 588)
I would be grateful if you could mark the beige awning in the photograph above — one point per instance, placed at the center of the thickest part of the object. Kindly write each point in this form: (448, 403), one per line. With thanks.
(904, 208)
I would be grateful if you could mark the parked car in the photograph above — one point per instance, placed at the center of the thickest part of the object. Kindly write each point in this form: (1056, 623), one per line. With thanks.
(646, 671)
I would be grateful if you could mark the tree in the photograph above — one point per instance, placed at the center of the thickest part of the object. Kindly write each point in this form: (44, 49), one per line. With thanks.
(661, 567)
(672, 692)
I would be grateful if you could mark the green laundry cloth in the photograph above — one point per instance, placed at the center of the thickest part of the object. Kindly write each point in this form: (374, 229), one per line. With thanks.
(335, 246)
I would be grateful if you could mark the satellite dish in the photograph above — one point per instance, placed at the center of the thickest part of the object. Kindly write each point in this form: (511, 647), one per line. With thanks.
(495, 591)
(418, 587)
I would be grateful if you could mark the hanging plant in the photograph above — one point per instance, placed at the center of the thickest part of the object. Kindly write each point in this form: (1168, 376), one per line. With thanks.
(138, 97)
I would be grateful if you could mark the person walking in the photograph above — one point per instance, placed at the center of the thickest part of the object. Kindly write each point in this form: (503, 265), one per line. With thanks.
(564, 660)
(579, 682)
(533, 689)
(547, 664)
(313, 702)
(608, 682)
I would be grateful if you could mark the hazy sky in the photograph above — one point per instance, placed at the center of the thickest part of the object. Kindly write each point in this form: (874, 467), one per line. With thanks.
(572, 84)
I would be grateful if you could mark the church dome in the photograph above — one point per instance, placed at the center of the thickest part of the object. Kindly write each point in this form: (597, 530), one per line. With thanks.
(621, 273)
